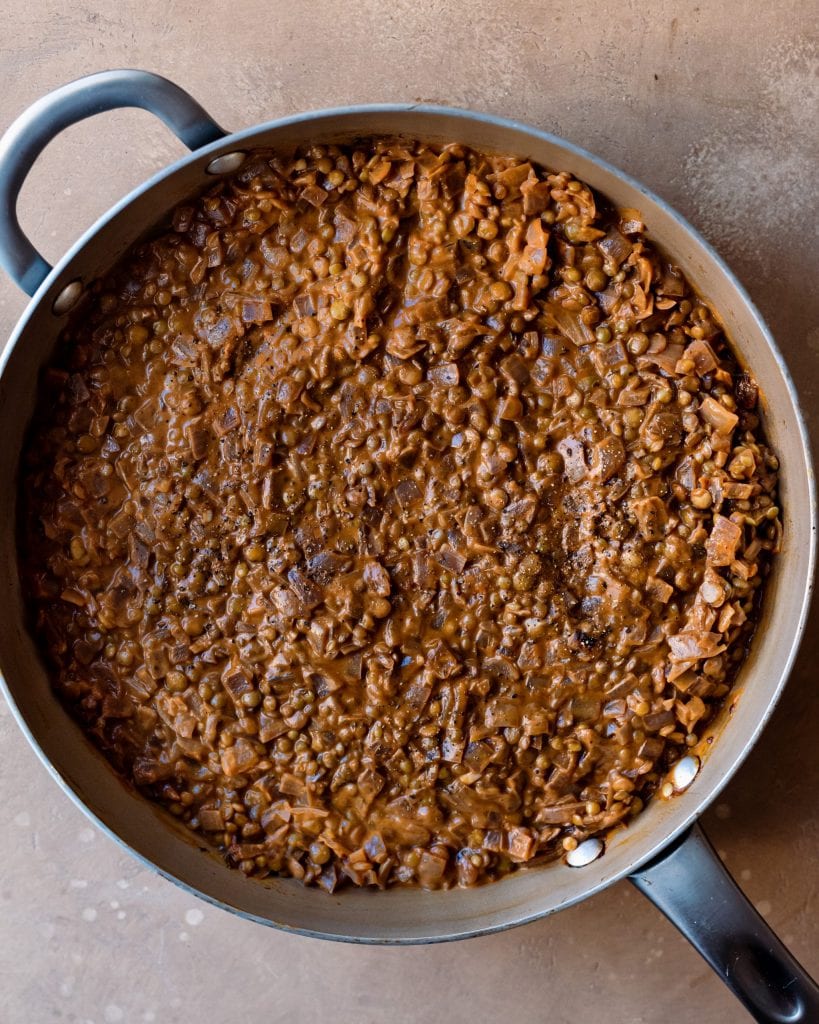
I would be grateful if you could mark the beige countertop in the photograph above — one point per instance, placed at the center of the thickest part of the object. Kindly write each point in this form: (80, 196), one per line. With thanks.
(714, 107)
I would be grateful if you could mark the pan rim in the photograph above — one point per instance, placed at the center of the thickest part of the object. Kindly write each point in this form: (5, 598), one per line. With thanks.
(235, 140)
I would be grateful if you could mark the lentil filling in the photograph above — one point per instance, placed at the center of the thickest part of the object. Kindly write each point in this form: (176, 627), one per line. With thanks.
(397, 516)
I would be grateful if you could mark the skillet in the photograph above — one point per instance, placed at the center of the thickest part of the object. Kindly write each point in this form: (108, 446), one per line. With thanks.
(664, 853)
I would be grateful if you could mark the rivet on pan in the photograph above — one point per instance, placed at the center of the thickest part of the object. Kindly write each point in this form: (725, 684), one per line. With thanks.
(585, 853)
(683, 773)
(225, 163)
(67, 298)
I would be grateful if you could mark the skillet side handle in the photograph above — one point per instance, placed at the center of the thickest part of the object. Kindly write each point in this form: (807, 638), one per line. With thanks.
(690, 885)
(36, 127)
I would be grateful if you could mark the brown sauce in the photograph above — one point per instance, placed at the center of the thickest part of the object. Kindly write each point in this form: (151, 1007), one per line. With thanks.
(397, 516)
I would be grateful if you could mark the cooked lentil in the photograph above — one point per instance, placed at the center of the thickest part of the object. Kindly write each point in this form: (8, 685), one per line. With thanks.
(398, 515)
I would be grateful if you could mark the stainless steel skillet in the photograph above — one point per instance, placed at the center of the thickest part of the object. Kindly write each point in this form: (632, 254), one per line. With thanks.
(663, 852)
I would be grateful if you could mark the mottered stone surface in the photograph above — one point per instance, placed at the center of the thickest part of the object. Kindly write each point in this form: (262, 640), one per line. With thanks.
(713, 106)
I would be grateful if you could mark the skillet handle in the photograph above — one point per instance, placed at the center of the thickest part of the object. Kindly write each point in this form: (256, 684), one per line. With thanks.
(36, 127)
(690, 885)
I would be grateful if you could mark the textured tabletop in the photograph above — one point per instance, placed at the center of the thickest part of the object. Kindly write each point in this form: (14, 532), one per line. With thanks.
(713, 108)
